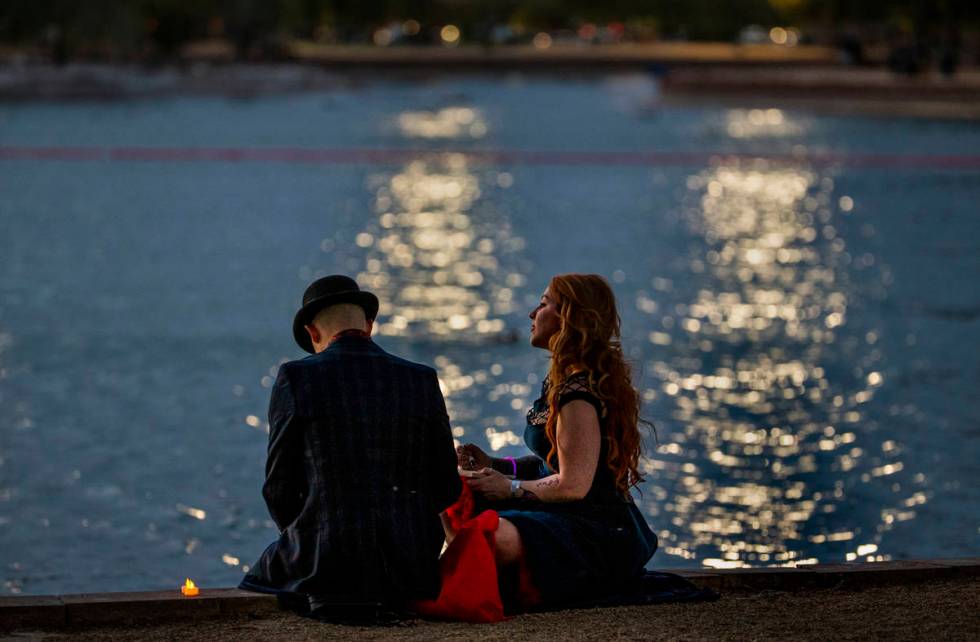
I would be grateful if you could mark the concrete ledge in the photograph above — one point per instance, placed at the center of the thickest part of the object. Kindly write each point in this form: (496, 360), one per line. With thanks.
(848, 575)
(95, 609)
(879, 572)
(31, 612)
(106, 608)
(751, 579)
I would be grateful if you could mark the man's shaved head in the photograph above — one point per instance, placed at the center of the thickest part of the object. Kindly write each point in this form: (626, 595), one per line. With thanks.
(336, 318)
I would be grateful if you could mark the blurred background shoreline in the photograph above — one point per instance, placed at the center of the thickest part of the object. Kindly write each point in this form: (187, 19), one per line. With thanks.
(822, 89)
(901, 58)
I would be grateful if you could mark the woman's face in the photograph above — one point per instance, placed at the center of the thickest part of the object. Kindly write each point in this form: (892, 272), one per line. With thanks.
(545, 321)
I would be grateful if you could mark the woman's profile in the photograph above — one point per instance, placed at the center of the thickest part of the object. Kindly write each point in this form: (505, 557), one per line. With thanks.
(566, 515)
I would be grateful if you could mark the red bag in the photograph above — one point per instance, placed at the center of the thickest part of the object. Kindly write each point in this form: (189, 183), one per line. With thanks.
(470, 592)
(468, 568)
(462, 511)
(469, 576)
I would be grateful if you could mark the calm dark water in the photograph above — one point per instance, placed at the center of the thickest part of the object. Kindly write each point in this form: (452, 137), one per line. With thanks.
(804, 333)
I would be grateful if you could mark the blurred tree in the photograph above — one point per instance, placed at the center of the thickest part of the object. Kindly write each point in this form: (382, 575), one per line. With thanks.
(250, 24)
(168, 24)
(354, 17)
(113, 28)
(106, 29)
(303, 18)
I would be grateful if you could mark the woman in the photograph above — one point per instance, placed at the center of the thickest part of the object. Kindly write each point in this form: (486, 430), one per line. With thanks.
(567, 515)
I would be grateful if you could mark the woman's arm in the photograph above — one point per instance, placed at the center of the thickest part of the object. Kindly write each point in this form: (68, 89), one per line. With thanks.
(527, 467)
(579, 442)
(472, 457)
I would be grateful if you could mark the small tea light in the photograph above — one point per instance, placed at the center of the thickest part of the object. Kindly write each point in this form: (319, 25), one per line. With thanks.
(189, 589)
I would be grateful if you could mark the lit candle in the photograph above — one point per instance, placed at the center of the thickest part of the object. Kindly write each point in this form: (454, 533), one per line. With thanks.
(189, 589)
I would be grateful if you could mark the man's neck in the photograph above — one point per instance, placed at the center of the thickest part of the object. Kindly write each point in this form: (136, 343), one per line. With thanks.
(349, 332)
(334, 335)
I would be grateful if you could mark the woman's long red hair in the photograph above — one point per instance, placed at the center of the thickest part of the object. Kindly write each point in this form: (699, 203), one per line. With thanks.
(589, 339)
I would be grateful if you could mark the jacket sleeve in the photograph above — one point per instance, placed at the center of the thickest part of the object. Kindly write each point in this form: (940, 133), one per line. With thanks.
(445, 485)
(285, 485)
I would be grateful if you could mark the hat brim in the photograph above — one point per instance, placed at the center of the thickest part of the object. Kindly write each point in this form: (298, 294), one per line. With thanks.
(367, 301)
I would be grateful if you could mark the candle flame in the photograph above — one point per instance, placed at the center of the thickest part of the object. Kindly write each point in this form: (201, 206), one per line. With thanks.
(189, 589)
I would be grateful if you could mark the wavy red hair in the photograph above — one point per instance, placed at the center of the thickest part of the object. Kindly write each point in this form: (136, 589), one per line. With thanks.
(589, 340)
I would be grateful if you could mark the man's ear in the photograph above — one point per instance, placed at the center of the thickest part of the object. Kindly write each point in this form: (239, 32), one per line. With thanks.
(370, 326)
(314, 332)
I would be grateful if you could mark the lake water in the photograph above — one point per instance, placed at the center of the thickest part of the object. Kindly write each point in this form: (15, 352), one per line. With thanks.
(799, 296)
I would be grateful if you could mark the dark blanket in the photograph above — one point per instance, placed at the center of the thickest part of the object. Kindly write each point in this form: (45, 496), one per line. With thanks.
(653, 587)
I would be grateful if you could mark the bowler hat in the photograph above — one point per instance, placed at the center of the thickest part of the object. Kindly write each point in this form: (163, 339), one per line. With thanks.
(330, 290)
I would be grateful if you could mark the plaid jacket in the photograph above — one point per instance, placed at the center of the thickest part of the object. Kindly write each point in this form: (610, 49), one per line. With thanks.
(361, 462)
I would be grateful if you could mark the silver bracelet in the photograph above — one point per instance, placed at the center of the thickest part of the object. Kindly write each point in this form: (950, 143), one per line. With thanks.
(515, 488)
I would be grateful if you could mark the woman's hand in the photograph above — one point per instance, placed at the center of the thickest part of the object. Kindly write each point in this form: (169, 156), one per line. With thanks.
(491, 484)
(470, 457)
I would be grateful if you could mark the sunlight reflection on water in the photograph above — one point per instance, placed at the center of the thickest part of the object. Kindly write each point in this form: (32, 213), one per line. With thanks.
(450, 122)
(760, 123)
(435, 263)
(769, 447)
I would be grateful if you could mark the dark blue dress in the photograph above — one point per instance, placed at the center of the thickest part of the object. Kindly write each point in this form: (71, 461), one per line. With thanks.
(590, 547)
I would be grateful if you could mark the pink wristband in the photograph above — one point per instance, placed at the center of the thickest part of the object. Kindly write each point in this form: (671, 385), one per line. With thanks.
(513, 464)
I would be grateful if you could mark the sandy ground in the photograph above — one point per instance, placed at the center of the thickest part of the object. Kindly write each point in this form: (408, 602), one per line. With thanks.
(947, 610)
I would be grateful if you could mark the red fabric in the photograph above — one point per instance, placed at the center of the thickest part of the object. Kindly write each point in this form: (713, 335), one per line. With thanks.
(470, 592)
(462, 511)
(469, 575)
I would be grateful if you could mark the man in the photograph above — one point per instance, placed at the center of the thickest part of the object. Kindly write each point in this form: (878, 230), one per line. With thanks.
(360, 464)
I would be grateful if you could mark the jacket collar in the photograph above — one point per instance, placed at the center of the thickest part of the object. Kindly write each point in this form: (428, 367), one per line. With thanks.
(353, 342)
(350, 332)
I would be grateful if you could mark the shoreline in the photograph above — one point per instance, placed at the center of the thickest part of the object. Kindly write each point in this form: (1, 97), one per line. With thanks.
(68, 613)
(817, 86)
